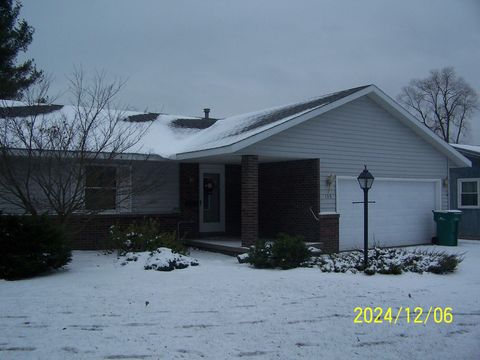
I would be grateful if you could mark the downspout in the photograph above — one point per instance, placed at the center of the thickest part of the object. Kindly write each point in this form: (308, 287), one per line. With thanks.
(449, 205)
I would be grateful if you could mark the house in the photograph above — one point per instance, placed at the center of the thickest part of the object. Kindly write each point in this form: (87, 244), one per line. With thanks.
(286, 169)
(465, 192)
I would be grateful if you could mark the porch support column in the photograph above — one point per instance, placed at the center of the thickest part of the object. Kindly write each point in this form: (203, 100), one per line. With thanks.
(249, 199)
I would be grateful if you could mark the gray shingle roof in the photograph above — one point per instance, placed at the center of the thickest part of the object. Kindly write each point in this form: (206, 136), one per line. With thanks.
(193, 123)
(143, 117)
(300, 107)
(24, 111)
(181, 123)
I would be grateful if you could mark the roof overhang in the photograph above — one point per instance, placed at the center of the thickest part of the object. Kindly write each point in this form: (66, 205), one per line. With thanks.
(467, 151)
(374, 93)
(18, 152)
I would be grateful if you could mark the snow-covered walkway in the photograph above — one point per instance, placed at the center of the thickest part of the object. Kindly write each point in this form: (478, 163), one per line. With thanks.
(221, 310)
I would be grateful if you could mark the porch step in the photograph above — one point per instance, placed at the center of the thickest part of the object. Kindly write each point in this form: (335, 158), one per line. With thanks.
(219, 248)
(232, 250)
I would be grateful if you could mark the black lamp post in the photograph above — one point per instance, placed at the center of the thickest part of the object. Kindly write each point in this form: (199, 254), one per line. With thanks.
(365, 179)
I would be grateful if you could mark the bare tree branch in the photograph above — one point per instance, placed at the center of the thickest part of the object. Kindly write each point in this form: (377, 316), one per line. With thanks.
(44, 154)
(443, 101)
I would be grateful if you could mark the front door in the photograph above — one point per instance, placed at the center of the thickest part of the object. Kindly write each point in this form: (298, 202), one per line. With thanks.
(212, 198)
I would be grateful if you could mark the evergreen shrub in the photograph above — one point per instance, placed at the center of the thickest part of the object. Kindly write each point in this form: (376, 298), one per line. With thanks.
(31, 245)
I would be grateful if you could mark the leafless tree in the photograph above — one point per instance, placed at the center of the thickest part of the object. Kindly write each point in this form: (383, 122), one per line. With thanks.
(46, 149)
(443, 101)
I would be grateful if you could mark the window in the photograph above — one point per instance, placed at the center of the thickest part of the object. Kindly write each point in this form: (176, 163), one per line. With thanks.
(468, 193)
(100, 187)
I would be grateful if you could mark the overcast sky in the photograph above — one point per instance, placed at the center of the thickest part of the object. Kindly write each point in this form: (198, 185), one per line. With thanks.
(239, 56)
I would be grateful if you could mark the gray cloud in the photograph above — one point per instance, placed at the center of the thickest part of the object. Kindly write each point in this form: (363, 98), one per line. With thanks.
(180, 56)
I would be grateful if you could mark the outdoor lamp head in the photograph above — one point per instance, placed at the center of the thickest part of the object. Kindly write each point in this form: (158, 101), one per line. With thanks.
(365, 179)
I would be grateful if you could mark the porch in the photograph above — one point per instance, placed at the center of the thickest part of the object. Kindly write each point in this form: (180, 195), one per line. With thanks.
(250, 198)
(229, 245)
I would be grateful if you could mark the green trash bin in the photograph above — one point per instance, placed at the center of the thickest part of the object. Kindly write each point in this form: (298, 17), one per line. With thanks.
(447, 226)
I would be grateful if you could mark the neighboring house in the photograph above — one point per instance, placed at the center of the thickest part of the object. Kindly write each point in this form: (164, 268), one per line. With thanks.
(288, 169)
(465, 192)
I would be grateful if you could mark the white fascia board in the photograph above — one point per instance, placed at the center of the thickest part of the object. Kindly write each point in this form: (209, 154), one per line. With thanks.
(275, 129)
(412, 122)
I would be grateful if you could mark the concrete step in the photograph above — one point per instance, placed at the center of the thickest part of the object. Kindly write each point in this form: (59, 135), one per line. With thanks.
(219, 248)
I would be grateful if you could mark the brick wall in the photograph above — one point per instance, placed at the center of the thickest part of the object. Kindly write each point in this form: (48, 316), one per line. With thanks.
(249, 199)
(92, 232)
(287, 192)
(329, 230)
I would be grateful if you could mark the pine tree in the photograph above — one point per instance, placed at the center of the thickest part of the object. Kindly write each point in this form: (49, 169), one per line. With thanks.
(15, 36)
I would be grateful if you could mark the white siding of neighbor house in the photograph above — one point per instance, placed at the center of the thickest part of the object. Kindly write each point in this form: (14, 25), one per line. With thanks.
(155, 187)
(357, 133)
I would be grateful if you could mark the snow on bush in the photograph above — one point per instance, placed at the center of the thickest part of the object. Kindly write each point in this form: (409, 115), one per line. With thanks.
(286, 252)
(161, 259)
(143, 236)
(388, 261)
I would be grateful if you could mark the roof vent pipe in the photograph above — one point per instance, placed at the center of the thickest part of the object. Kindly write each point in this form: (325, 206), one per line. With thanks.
(207, 113)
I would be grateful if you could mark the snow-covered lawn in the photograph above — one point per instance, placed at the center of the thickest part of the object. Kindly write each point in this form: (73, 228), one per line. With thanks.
(221, 309)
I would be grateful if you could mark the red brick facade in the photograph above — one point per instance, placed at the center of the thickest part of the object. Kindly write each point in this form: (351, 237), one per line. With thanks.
(288, 190)
(329, 232)
(92, 232)
(249, 200)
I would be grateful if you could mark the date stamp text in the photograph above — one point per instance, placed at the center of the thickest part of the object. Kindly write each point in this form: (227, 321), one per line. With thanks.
(409, 315)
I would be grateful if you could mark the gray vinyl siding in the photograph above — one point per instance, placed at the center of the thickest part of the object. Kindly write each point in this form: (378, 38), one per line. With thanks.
(143, 187)
(357, 133)
(155, 187)
(470, 221)
(19, 168)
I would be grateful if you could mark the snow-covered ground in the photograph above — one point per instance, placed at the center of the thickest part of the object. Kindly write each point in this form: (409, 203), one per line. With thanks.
(99, 309)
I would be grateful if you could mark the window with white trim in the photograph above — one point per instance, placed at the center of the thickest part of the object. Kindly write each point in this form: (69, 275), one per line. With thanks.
(468, 193)
(100, 187)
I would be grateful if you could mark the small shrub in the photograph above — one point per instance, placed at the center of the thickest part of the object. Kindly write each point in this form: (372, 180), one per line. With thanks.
(289, 252)
(161, 259)
(389, 261)
(286, 252)
(260, 255)
(143, 237)
(30, 246)
(164, 259)
(445, 264)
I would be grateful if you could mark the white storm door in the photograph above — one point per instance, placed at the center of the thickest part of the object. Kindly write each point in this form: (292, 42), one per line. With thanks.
(212, 198)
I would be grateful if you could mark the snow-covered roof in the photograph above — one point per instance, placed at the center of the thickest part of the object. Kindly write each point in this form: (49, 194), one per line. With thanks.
(167, 137)
(160, 138)
(233, 129)
(468, 149)
(184, 137)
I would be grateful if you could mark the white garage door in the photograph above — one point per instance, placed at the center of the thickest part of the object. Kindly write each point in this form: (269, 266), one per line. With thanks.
(401, 214)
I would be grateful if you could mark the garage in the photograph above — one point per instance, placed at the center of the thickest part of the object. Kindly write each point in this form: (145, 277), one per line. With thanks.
(401, 214)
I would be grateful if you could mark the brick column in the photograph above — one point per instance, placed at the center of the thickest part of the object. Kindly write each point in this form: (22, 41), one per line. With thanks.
(249, 199)
(329, 232)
